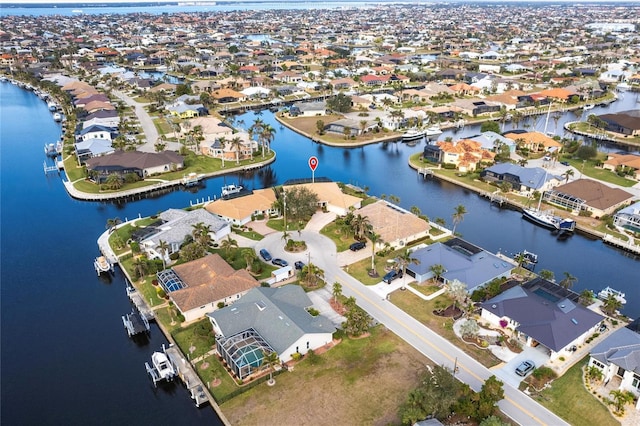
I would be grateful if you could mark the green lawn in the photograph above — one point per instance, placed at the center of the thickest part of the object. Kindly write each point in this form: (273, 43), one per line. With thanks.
(195, 339)
(569, 399)
(341, 239)
(589, 169)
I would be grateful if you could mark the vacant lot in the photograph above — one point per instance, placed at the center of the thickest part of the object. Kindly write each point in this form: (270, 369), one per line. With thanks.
(360, 381)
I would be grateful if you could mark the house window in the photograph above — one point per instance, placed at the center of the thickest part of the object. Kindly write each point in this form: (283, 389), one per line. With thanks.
(597, 364)
(307, 345)
(636, 381)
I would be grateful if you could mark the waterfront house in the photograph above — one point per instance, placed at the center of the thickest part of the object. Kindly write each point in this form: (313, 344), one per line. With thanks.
(465, 154)
(308, 109)
(523, 180)
(587, 195)
(92, 147)
(543, 315)
(395, 225)
(184, 110)
(96, 132)
(143, 164)
(618, 357)
(330, 196)
(628, 217)
(626, 123)
(196, 288)
(173, 227)
(268, 320)
(241, 210)
(535, 141)
(462, 261)
(492, 140)
(616, 161)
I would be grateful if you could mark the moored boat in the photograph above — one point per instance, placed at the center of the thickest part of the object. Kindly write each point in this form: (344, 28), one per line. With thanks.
(57, 117)
(192, 179)
(588, 107)
(412, 135)
(101, 264)
(606, 292)
(231, 189)
(161, 368)
(433, 131)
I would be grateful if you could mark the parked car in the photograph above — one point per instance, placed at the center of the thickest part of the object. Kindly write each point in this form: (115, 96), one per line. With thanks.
(525, 368)
(358, 245)
(602, 328)
(392, 275)
(564, 163)
(265, 255)
(299, 264)
(280, 262)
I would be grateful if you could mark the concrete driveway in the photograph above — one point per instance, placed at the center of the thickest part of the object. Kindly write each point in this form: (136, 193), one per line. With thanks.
(507, 372)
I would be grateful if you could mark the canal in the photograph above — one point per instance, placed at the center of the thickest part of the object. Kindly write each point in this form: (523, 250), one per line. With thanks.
(64, 349)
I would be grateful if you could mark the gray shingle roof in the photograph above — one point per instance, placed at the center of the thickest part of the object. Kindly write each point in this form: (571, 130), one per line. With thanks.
(531, 177)
(179, 223)
(621, 348)
(554, 324)
(278, 314)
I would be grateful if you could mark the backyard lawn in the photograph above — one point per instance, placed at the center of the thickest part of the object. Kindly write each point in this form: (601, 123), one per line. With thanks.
(569, 399)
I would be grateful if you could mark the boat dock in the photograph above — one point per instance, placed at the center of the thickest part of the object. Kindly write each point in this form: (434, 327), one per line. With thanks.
(629, 246)
(139, 303)
(494, 197)
(185, 371)
(135, 323)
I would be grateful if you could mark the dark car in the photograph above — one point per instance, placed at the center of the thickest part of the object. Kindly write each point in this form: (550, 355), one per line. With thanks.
(358, 245)
(265, 255)
(280, 262)
(299, 264)
(525, 368)
(564, 163)
(392, 275)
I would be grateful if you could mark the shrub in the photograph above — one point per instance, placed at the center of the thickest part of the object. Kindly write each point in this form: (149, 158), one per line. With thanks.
(161, 293)
(220, 305)
(296, 356)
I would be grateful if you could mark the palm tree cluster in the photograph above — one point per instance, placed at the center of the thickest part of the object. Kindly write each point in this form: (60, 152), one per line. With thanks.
(264, 132)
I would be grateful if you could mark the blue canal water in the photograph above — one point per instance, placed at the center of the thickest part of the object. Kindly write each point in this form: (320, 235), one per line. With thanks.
(64, 349)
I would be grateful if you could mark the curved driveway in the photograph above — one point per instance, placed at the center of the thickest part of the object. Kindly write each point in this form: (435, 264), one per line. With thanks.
(322, 252)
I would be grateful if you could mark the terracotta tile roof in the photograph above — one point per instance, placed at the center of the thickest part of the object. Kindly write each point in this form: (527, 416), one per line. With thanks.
(535, 137)
(391, 222)
(243, 207)
(209, 279)
(331, 193)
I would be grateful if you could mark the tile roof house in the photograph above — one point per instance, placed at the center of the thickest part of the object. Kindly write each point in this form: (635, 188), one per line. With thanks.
(588, 195)
(205, 282)
(462, 261)
(465, 154)
(275, 320)
(623, 122)
(535, 141)
(331, 197)
(395, 225)
(523, 180)
(618, 357)
(144, 164)
(240, 210)
(542, 312)
(615, 160)
(176, 225)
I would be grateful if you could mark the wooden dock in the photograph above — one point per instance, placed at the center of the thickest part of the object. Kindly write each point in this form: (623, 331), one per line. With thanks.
(425, 172)
(140, 304)
(629, 246)
(494, 197)
(188, 376)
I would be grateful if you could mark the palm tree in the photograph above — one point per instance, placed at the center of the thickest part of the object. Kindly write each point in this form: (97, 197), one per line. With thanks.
(113, 223)
(375, 238)
(437, 270)
(620, 399)
(405, 260)
(114, 181)
(520, 258)
(249, 257)
(546, 274)
(360, 224)
(568, 173)
(457, 217)
(336, 291)
(236, 144)
(228, 244)
(223, 141)
(201, 233)
(611, 305)
(141, 266)
(311, 274)
(271, 359)
(568, 281)
(163, 248)
(267, 134)
(363, 125)
(586, 297)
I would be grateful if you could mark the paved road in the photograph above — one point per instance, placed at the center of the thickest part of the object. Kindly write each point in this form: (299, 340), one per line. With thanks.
(322, 252)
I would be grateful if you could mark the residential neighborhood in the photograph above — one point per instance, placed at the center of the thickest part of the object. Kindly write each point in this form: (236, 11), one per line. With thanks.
(317, 299)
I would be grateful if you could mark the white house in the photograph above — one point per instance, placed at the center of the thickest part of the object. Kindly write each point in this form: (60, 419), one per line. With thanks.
(618, 357)
(267, 320)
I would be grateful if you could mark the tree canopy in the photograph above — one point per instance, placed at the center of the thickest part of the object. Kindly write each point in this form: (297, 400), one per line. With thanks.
(300, 203)
(339, 103)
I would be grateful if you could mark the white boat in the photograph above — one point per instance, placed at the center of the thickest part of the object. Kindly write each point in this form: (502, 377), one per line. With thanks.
(547, 219)
(608, 291)
(527, 256)
(52, 106)
(57, 117)
(588, 107)
(231, 189)
(163, 366)
(101, 264)
(192, 179)
(412, 135)
(433, 131)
